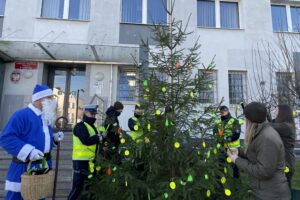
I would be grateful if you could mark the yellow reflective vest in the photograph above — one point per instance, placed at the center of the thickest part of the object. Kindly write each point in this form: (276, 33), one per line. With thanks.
(81, 151)
(227, 132)
(138, 132)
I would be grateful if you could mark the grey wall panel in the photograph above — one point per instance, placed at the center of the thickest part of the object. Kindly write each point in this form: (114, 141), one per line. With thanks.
(11, 103)
(135, 33)
(1, 25)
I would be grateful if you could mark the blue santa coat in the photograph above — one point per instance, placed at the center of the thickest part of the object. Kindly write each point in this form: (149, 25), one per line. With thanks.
(25, 131)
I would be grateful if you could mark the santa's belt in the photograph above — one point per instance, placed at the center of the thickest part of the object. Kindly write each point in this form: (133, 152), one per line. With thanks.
(47, 156)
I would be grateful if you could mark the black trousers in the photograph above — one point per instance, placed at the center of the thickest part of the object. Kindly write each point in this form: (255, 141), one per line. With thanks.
(80, 170)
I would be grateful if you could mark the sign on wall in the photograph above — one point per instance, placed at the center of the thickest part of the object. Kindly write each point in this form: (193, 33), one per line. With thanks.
(26, 65)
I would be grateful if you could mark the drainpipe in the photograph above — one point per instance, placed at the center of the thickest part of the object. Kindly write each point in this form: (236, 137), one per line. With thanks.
(110, 85)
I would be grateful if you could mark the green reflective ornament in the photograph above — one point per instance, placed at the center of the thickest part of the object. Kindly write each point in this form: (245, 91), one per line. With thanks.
(208, 154)
(190, 178)
(145, 83)
(166, 195)
(206, 176)
(183, 183)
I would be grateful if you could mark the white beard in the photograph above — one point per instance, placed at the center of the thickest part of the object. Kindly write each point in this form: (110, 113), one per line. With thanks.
(49, 111)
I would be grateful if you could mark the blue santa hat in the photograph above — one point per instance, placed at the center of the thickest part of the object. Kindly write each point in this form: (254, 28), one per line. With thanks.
(41, 91)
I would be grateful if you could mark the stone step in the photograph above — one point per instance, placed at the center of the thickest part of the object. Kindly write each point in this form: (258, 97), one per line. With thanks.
(61, 194)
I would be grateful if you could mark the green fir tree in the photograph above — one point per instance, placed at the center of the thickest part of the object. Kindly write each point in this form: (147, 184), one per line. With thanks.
(177, 157)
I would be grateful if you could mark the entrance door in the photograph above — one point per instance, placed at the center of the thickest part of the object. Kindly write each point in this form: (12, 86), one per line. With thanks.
(69, 87)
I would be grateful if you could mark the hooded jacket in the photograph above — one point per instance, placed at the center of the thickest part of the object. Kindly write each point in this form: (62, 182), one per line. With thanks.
(112, 125)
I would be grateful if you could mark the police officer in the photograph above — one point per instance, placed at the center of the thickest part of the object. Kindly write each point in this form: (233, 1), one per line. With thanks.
(134, 123)
(228, 130)
(85, 144)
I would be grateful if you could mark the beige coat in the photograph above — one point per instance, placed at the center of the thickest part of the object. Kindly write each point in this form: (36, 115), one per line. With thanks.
(264, 162)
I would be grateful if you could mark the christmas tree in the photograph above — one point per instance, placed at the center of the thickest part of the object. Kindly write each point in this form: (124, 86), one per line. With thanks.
(177, 157)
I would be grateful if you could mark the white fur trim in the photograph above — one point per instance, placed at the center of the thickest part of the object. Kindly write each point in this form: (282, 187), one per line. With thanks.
(47, 136)
(42, 94)
(37, 111)
(12, 186)
(24, 152)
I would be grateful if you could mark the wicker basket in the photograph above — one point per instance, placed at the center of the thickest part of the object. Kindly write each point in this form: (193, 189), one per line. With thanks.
(35, 187)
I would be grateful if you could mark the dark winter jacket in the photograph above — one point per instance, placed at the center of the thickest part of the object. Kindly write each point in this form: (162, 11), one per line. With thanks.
(113, 130)
(264, 162)
(287, 134)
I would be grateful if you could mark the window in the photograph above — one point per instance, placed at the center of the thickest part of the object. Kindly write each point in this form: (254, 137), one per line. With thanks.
(206, 13)
(77, 9)
(217, 13)
(157, 12)
(207, 94)
(127, 85)
(2, 7)
(229, 14)
(144, 11)
(284, 87)
(279, 18)
(236, 87)
(295, 12)
(132, 11)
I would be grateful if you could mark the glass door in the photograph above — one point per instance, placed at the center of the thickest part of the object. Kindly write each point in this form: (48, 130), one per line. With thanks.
(69, 87)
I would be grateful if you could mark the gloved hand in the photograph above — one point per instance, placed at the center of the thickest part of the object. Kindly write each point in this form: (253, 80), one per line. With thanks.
(36, 154)
(59, 136)
(233, 154)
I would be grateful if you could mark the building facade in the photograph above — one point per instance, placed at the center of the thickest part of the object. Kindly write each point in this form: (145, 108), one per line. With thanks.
(85, 49)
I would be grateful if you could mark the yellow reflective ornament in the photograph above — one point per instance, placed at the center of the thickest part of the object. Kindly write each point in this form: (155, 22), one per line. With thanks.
(294, 114)
(192, 94)
(241, 121)
(149, 126)
(126, 183)
(223, 180)
(215, 151)
(126, 153)
(146, 140)
(210, 86)
(157, 112)
(208, 193)
(203, 144)
(145, 96)
(98, 168)
(183, 183)
(135, 127)
(206, 177)
(176, 145)
(286, 169)
(122, 140)
(163, 89)
(228, 159)
(227, 192)
(147, 90)
(225, 170)
(214, 115)
(173, 185)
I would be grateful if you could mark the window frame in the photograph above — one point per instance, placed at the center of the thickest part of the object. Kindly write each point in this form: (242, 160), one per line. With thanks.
(144, 19)
(2, 15)
(214, 82)
(122, 69)
(244, 85)
(66, 10)
(218, 14)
